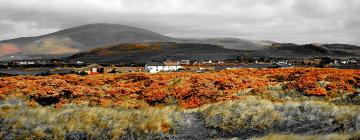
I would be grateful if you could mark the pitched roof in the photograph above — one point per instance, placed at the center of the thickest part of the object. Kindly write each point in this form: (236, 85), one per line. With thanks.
(94, 66)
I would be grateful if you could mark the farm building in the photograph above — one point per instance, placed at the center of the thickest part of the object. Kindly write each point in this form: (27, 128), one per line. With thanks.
(154, 67)
(93, 69)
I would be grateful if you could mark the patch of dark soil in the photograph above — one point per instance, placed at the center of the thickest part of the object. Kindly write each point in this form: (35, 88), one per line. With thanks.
(46, 101)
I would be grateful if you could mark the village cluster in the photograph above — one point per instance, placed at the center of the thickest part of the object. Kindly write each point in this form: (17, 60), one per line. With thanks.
(208, 65)
(84, 68)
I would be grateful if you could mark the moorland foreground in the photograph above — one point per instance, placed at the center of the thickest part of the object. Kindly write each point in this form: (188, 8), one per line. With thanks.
(306, 103)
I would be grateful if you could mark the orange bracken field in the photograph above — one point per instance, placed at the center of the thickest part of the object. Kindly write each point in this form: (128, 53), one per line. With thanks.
(187, 89)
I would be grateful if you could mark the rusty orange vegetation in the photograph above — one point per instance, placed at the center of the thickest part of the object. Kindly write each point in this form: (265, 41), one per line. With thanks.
(185, 88)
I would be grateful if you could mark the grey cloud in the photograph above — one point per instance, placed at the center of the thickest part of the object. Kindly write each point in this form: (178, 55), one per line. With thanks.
(299, 21)
(320, 8)
(6, 28)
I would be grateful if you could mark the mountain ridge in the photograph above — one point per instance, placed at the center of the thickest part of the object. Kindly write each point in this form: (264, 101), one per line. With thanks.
(84, 38)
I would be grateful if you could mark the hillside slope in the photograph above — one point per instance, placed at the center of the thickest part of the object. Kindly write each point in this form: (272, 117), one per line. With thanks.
(144, 52)
(290, 50)
(87, 37)
(158, 51)
(232, 43)
(83, 38)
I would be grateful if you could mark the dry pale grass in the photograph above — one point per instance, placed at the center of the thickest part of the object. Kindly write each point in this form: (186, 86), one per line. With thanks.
(248, 113)
(303, 137)
(46, 122)
(338, 136)
(20, 121)
(255, 112)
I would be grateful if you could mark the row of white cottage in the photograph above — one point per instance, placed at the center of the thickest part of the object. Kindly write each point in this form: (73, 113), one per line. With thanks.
(154, 67)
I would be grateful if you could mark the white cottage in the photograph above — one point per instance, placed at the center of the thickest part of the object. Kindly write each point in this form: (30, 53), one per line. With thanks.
(154, 67)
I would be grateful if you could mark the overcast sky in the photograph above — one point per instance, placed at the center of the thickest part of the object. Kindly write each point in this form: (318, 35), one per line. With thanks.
(298, 21)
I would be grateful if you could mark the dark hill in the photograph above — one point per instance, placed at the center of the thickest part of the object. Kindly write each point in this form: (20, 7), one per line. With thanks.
(289, 50)
(232, 43)
(144, 52)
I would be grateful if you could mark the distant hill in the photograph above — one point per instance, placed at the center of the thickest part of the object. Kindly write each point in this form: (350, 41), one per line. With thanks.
(232, 43)
(84, 38)
(145, 52)
(290, 50)
(157, 51)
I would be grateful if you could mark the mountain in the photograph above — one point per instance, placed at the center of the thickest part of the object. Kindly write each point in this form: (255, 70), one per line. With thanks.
(84, 39)
(156, 51)
(80, 38)
(87, 37)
